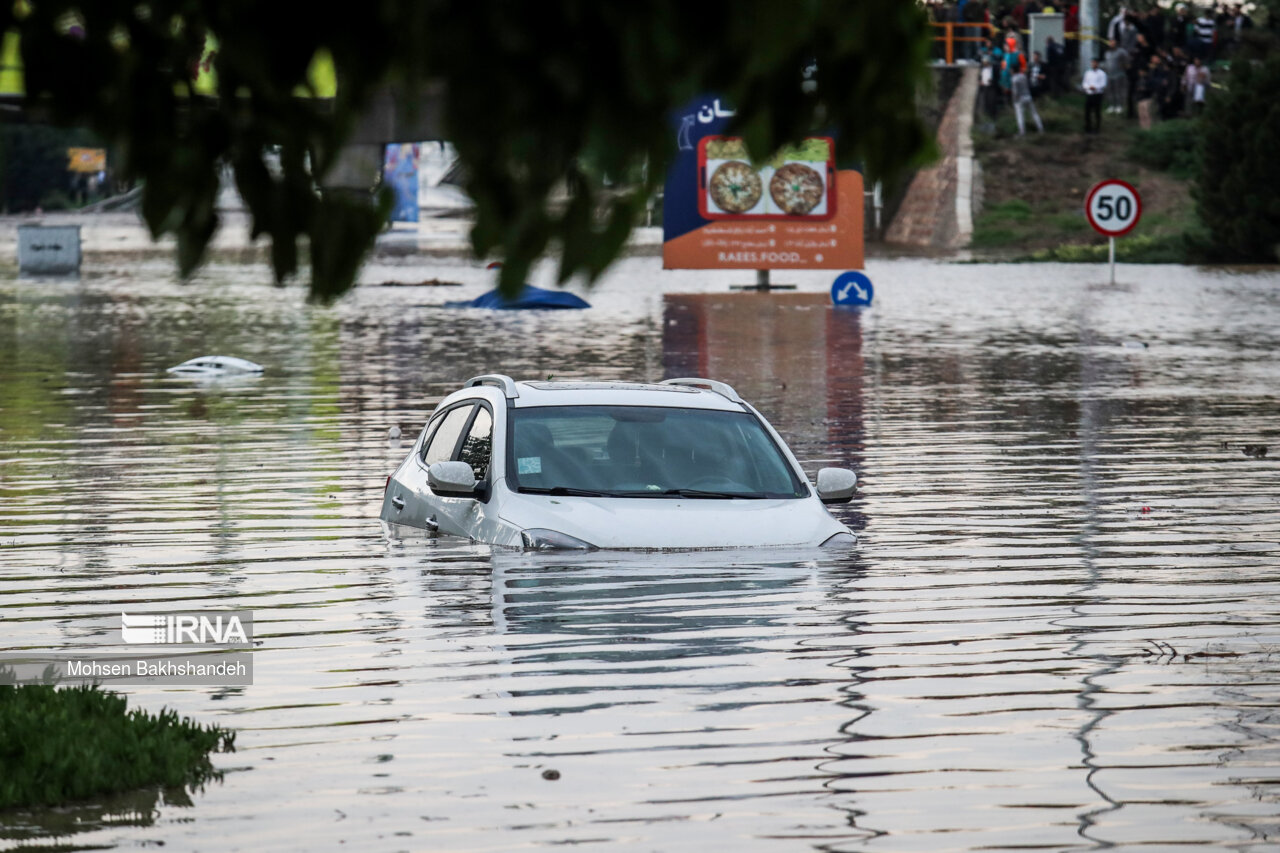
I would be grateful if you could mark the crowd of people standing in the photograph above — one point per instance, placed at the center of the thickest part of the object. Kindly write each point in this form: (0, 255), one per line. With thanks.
(1152, 64)
(1160, 69)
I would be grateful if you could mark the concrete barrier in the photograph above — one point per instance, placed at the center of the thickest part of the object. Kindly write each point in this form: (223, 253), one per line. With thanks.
(49, 249)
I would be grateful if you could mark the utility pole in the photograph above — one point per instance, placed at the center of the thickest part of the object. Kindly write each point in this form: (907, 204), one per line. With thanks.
(1090, 27)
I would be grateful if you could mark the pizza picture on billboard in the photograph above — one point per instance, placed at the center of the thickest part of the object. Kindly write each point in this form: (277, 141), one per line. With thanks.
(796, 188)
(798, 183)
(735, 187)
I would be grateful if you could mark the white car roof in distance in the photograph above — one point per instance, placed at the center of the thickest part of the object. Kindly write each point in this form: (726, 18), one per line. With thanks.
(532, 393)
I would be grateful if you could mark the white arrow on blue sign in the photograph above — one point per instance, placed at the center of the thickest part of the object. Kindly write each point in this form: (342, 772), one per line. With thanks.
(852, 288)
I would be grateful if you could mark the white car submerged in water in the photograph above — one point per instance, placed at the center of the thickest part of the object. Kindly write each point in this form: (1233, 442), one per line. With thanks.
(585, 465)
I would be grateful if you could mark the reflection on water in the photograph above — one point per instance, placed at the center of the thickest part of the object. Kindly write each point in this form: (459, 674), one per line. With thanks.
(1058, 630)
(132, 809)
(790, 355)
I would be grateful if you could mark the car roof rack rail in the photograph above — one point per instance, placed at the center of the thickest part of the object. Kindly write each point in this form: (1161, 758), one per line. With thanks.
(497, 380)
(721, 388)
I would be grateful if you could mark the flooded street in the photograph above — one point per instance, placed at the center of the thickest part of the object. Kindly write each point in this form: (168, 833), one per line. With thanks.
(1060, 629)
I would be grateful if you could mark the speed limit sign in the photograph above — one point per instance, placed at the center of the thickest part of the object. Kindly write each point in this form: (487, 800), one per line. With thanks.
(1113, 208)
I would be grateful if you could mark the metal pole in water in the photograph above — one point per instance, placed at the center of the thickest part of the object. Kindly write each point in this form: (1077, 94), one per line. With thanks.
(762, 279)
(1112, 253)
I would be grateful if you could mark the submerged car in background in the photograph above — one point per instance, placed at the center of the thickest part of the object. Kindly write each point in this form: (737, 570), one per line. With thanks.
(583, 465)
(214, 366)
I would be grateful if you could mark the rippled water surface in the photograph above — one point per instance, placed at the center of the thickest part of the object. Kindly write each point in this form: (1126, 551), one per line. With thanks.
(1060, 629)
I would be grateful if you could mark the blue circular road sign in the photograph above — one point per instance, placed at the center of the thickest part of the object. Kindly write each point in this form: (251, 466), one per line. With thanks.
(852, 288)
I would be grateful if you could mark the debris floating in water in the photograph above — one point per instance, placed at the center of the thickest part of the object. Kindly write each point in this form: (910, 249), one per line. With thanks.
(394, 432)
(1253, 451)
(528, 297)
(216, 365)
(427, 282)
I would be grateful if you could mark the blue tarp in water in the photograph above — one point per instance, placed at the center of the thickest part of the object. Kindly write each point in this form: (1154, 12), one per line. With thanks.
(529, 297)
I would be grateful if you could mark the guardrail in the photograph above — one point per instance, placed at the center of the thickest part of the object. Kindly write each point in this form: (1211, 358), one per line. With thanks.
(949, 38)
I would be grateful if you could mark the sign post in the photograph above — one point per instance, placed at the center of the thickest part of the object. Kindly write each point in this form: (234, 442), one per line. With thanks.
(1113, 208)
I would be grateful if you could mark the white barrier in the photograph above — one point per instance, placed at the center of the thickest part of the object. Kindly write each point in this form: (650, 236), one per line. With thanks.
(49, 249)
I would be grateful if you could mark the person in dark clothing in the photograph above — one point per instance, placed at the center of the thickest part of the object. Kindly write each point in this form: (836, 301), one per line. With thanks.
(1153, 92)
(1168, 92)
(1139, 59)
(1153, 25)
(1238, 23)
(1055, 66)
(1177, 65)
(1179, 27)
(1037, 75)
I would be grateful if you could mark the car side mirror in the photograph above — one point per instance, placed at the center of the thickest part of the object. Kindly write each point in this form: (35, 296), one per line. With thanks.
(835, 485)
(452, 480)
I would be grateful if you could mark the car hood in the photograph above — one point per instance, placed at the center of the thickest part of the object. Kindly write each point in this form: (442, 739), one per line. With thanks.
(675, 522)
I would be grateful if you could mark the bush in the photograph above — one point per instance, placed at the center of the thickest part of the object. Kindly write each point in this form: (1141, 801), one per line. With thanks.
(1169, 146)
(56, 200)
(1239, 166)
(58, 746)
(33, 162)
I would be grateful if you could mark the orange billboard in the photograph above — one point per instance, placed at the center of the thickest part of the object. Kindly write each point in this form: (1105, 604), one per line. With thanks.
(91, 160)
(723, 210)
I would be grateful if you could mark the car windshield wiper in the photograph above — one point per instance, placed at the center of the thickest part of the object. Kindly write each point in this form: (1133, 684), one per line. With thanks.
(691, 493)
(703, 493)
(564, 491)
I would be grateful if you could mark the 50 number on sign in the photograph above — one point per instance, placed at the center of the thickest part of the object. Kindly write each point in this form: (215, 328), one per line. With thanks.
(1122, 209)
(1113, 208)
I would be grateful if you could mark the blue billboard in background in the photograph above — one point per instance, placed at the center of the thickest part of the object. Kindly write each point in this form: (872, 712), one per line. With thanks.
(400, 172)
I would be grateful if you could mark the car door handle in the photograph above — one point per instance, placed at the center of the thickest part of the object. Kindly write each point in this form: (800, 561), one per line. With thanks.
(397, 502)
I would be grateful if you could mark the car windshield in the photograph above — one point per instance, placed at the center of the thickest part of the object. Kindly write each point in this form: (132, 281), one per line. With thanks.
(646, 451)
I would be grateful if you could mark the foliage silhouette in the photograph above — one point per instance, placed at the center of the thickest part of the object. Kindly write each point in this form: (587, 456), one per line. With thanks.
(540, 99)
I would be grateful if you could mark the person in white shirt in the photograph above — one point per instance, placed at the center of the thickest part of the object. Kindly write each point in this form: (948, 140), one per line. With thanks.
(1094, 84)
(1195, 82)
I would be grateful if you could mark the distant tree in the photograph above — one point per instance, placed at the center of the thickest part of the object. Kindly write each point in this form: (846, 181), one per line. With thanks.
(33, 164)
(540, 97)
(1239, 169)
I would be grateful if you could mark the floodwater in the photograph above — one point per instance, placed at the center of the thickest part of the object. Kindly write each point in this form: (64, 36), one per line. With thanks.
(1060, 629)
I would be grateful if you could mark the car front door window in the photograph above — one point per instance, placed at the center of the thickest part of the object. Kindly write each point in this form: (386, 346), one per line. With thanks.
(445, 440)
(477, 447)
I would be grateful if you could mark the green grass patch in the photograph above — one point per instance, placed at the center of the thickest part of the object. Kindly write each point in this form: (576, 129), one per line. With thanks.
(1169, 146)
(1070, 222)
(1001, 224)
(1141, 249)
(986, 237)
(58, 746)
(1059, 116)
(1013, 210)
